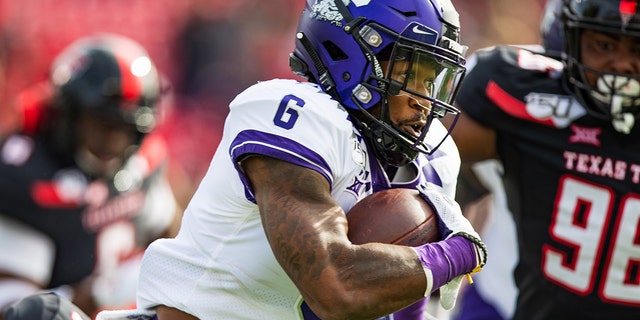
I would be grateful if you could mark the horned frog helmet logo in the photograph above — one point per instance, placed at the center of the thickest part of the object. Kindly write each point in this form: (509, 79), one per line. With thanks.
(326, 10)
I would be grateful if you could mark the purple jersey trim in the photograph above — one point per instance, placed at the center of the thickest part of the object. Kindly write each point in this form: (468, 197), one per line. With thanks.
(429, 173)
(282, 148)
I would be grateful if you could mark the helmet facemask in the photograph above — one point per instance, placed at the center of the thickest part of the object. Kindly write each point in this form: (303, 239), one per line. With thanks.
(611, 96)
(426, 75)
(620, 95)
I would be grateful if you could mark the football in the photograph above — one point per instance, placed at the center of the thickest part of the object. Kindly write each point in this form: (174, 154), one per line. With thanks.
(395, 216)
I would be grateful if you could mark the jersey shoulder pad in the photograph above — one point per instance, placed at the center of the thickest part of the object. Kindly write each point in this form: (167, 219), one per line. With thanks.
(33, 107)
(16, 150)
(288, 115)
(509, 62)
(516, 82)
(290, 105)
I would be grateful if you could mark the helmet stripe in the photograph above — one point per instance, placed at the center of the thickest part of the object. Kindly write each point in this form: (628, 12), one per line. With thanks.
(628, 7)
(131, 86)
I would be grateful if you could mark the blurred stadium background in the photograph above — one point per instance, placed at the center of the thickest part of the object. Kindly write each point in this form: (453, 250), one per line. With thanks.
(208, 51)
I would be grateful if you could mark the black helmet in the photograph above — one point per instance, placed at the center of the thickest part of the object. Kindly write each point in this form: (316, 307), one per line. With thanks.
(615, 96)
(110, 75)
(551, 26)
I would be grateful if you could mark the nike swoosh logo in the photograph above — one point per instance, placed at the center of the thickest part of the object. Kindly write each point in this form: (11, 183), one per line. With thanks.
(417, 29)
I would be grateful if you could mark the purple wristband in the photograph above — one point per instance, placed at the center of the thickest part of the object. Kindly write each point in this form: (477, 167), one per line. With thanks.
(447, 259)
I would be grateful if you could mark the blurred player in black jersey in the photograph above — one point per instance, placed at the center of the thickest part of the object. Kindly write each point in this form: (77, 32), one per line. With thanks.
(82, 190)
(563, 126)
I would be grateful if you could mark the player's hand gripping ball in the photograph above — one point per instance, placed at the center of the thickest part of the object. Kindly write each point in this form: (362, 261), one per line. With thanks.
(394, 216)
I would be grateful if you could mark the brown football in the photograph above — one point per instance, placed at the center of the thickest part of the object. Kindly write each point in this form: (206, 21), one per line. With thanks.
(396, 216)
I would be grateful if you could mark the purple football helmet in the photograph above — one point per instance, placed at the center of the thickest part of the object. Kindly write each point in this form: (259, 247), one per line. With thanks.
(340, 44)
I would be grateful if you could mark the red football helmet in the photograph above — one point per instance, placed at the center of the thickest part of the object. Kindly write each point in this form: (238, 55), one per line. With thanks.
(105, 89)
(110, 75)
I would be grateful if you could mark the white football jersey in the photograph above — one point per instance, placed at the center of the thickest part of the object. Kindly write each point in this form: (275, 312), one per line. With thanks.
(221, 266)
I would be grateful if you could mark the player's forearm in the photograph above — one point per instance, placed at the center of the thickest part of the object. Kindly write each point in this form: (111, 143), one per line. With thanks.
(360, 272)
(338, 279)
(366, 281)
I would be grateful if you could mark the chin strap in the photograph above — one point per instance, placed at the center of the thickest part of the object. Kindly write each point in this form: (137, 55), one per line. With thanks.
(324, 77)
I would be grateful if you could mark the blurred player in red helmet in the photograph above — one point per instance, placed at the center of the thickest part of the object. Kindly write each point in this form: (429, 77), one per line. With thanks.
(82, 190)
(562, 121)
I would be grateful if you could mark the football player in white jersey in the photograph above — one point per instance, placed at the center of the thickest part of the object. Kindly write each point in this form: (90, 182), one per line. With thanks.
(265, 235)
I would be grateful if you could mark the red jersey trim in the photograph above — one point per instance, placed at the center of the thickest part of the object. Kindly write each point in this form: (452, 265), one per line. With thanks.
(45, 194)
(510, 104)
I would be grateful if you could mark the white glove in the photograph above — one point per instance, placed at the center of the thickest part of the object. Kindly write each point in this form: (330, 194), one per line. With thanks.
(450, 219)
